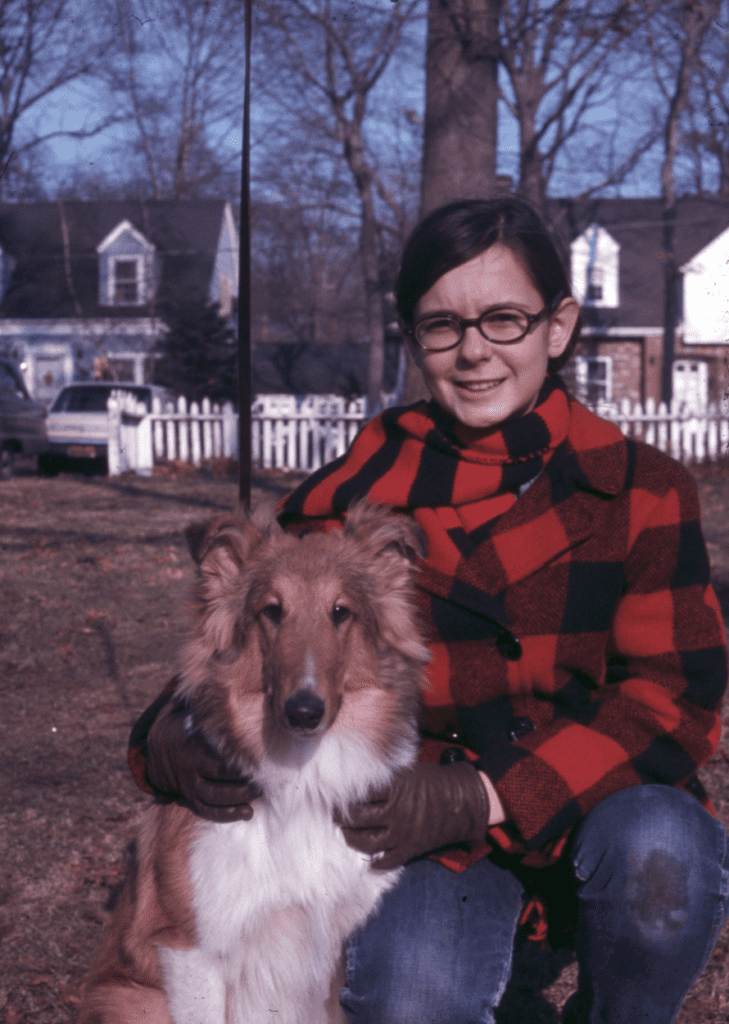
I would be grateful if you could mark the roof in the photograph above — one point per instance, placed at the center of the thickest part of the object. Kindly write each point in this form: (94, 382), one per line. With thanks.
(636, 225)
(184, 232)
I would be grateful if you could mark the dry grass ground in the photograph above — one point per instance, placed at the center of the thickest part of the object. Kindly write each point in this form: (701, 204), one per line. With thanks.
(95, 582)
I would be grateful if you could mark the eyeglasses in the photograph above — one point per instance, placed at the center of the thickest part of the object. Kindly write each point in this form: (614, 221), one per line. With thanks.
(503, 326)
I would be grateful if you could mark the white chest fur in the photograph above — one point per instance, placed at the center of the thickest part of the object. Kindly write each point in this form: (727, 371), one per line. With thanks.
(275, 897)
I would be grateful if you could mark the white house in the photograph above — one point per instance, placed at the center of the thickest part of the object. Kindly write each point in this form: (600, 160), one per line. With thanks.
(617, 258)
(84, 285)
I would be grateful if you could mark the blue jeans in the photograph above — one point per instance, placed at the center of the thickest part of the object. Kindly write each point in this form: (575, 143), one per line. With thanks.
(651, 870)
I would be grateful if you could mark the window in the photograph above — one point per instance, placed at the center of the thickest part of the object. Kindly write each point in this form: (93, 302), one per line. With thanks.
(126, 290)
(128, 269)
(94, 398)
(595, 278)
(595, 265)
(594, 379)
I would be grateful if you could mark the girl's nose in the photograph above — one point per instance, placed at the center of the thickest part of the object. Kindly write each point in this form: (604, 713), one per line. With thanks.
(474, 346)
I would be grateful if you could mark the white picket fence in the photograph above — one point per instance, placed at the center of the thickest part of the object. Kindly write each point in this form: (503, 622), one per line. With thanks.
(687, 434)
(288, 433)
(302, 434)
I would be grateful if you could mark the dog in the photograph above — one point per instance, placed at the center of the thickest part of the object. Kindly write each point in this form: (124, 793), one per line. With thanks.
(305, 672)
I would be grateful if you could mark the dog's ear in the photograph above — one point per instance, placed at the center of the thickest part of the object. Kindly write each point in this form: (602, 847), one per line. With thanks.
(234, 534)
(387, 545)
(239, 532)
(382, 531)
(222, 548)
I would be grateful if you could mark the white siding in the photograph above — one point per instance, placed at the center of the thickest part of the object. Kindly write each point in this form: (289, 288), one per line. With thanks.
(706, 294)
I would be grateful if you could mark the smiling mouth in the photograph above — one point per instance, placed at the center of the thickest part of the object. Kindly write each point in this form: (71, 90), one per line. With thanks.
(478, 387)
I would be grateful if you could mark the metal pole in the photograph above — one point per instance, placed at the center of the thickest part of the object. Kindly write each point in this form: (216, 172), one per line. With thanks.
(244, 285)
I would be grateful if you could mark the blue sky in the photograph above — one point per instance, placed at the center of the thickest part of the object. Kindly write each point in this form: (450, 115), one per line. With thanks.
(403, 84)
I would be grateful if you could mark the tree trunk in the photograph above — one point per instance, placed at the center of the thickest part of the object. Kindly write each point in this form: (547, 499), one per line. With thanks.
(461, 125)
(694, 21)
(374, 310)
(670, 267)
(461, 93)
(532, 185)
(671, 282)
(373, 299)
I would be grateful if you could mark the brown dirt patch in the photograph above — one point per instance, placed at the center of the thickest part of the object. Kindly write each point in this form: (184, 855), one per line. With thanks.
(95, 583)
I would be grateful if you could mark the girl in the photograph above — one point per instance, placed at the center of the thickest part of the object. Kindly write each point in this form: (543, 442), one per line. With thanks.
(578, 661)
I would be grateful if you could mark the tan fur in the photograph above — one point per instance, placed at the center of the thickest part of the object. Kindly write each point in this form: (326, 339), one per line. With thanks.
(278, 616)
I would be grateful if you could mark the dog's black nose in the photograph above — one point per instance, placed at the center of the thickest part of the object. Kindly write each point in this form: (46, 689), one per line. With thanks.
(304, 710)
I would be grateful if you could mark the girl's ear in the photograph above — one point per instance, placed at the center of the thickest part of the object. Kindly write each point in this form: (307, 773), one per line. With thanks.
(413, 348)
(561, 325)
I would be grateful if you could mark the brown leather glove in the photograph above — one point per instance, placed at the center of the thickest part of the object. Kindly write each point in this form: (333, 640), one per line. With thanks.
(425, 807)
(183, 767)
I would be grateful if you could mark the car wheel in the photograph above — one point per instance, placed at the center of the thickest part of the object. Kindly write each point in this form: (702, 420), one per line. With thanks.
(6, 463)
(48, 465)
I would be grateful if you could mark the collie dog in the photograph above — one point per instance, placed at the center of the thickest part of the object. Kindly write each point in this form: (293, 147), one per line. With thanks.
(304, 671)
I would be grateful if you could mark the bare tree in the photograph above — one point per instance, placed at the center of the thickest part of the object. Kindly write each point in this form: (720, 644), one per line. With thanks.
(460, 138)
(674, 35)
(560, 59)
(559, 62)
(45, 45)
(307, 280)
(331, 57)
(178, 79)
(707, 133)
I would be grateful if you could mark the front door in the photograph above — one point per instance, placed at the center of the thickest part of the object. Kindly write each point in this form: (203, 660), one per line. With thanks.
(48, 378)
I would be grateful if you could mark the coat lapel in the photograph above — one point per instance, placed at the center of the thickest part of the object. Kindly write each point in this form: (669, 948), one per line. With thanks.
(555, 515)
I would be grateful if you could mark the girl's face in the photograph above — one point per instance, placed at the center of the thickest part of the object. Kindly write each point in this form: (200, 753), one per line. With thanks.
(479, 382)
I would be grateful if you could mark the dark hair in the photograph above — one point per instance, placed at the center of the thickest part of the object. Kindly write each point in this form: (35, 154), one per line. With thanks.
(454, 234)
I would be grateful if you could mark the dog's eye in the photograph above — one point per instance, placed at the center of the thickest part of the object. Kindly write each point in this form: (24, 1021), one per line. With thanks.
(273, 612)
(340, 614)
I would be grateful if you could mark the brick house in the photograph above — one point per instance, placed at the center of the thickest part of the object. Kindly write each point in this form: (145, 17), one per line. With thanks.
(83, 284)
(615, 254)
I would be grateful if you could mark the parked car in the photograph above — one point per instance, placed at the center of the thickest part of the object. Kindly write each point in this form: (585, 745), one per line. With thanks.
(78, 423)
(22, 421)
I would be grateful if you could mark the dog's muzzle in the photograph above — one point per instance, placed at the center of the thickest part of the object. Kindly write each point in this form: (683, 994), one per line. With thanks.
(304, 710)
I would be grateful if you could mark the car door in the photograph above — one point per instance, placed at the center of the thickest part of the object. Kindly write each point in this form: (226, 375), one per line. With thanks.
(22, 421)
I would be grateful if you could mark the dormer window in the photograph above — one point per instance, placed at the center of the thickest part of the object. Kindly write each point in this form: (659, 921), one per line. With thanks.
(127, 281)
(595, 259)
(595, 277)
(126, 267)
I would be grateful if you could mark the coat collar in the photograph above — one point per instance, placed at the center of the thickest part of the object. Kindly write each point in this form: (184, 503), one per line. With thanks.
(555, 515)
(595, 452)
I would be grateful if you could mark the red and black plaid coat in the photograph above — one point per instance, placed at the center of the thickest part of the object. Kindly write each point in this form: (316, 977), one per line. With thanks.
(578, 645)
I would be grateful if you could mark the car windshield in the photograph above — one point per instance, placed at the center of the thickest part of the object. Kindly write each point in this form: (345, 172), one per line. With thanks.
(94, 399)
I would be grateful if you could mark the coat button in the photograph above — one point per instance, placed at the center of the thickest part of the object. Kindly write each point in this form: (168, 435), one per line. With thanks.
(451, 734)
(519, 727)
(452, 754)
(508, 645)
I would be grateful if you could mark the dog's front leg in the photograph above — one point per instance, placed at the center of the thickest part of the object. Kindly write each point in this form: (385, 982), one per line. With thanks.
(194, 985)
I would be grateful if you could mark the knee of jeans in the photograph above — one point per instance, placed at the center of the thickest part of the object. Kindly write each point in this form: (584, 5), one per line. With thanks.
(636, 822)
(659, 845)
(404, 1006)
(400, 995)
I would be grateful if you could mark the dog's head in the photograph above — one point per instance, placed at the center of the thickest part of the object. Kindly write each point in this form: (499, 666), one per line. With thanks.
(295, 626)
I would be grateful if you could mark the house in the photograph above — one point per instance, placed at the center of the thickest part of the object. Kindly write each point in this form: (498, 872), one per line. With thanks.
(616, 258)
(84, 285)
